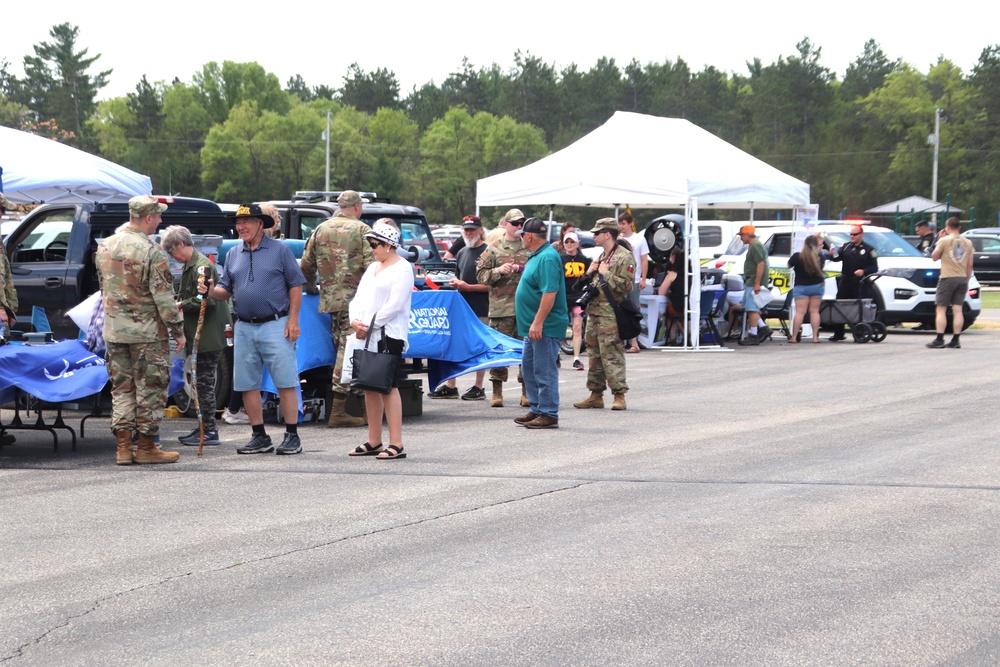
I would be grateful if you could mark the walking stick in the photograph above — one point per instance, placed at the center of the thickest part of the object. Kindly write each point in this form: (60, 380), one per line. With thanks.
(194, 361)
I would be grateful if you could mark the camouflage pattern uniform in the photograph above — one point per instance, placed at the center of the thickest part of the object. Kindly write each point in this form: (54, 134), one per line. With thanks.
(502, 289)
(8, 295)
(339, 253)
(139, 316)
(212, 343)
(604, 346)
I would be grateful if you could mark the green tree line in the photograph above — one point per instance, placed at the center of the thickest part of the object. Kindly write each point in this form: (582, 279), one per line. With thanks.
(233, 132)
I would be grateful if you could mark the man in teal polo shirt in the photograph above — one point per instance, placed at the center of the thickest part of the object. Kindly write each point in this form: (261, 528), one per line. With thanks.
(540, 306)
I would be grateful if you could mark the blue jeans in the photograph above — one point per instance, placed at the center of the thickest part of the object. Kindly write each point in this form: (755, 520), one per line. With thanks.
(541, 375)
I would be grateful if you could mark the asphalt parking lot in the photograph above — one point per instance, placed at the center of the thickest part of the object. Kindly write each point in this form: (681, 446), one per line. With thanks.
(813, 504)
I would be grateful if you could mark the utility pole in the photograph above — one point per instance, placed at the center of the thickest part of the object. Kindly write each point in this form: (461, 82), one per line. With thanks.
(327, 135)
(936, 139)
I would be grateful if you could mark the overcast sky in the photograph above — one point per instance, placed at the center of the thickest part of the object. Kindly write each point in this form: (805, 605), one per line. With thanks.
(425, 41)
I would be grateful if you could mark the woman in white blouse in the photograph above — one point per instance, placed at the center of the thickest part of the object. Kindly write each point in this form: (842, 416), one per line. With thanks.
(385, 291)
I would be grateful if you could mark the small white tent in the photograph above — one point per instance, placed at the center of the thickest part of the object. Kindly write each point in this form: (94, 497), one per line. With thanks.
(37, 170)
(649, 162)
(646, 162)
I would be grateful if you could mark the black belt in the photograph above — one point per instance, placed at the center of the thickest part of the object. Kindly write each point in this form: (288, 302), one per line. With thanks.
(262, 320)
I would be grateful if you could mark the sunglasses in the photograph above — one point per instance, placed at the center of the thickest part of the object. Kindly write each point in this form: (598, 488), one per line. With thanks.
(856, 233)
(516, 223)
(569, 241)
(374, 244)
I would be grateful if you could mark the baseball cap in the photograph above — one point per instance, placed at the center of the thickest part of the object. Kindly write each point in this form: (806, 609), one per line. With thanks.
(533, 226)
(513, 215)
(471, 222)
(571, 235)
(348, 199)
(748, 229)
(144, 205)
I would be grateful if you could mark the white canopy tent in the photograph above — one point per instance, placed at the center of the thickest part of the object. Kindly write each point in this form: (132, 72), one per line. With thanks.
(36, 170)
(648, 162)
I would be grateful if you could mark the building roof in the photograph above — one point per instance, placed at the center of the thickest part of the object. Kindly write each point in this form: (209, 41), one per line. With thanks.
(915, 204)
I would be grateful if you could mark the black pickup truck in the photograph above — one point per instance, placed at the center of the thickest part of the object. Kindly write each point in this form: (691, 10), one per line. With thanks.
(52, 251)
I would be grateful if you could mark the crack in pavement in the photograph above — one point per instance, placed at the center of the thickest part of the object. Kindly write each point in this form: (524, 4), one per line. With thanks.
(19, 652)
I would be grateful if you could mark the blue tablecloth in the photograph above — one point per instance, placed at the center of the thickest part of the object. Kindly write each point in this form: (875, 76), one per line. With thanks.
(54, 373)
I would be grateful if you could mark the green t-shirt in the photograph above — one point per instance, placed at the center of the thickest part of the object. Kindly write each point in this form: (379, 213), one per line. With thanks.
(755, 255)
(543, 273)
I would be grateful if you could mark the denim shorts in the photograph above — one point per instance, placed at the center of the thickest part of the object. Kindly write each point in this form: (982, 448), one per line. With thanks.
(749, 304)
(806, 291)
(257, 345)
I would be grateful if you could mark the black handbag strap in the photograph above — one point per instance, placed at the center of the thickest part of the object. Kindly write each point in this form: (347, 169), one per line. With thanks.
(371, 325)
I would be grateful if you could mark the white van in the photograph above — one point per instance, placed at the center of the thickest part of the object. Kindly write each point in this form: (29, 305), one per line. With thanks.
(904, 291)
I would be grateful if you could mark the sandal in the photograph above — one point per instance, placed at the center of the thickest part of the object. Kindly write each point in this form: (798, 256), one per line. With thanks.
(633, 350)
(365, 450)
(392, 452)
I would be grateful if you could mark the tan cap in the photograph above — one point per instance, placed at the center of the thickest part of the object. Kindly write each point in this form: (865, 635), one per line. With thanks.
(143, 205)
(348, 199)
(513, 214)
(605, 224)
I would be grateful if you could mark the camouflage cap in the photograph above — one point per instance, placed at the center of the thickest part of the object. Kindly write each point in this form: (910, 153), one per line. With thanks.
(143, 205)
(7, 204)
(605, 224)
(513, 214)
(348, 199)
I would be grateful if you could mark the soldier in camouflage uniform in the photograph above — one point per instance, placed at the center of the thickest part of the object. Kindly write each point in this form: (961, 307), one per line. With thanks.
(139, 316)
(616, 269)
(500, 267)
(339, 253)
(8, 295)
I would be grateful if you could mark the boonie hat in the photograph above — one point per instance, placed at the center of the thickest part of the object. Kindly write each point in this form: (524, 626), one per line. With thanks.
(348, 199)
(384, 233)
(253, 211)
(144, 205)
(605, 225)
(748, 229)
(533, 226)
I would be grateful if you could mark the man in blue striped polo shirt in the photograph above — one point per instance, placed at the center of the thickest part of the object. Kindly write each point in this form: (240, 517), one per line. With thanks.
(265, 282)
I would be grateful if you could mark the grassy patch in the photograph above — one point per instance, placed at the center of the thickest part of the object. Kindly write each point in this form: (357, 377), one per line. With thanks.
(990, 299)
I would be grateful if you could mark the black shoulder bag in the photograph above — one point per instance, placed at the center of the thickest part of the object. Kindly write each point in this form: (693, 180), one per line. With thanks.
(627, 314)
(373, 371)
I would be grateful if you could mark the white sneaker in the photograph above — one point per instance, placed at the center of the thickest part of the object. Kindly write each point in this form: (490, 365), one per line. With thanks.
(237, 418)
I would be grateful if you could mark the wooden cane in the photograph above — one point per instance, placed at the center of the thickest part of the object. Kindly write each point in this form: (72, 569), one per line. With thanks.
(194, 361)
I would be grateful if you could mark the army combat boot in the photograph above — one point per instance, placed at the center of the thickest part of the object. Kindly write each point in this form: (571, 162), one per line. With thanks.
(338, 414)
(596, 400)
(124, 439)
(497, 400)
(150, 453)
(619, 403)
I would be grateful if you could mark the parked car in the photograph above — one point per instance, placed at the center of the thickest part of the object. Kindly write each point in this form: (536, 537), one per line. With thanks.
(904, 292)
(986, 260)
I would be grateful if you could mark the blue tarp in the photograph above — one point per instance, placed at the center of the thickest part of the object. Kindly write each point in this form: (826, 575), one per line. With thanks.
(443, 330)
